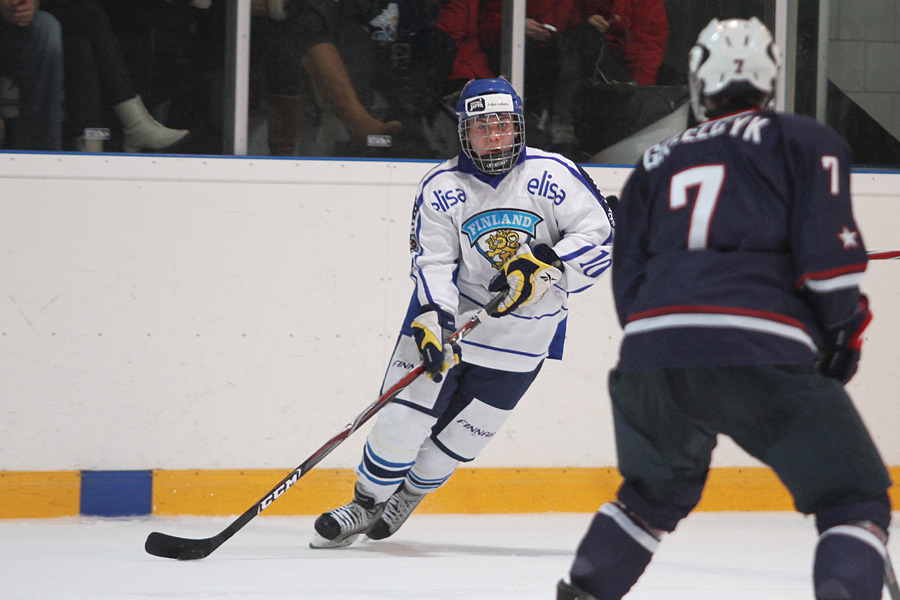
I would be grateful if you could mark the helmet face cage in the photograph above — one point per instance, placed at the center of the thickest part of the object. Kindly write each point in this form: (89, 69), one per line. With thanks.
(501, 133)
(731, 52)
(487, 108)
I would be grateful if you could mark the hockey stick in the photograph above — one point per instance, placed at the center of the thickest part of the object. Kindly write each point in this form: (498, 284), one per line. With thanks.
(168, 546)
(884, 255)
(890, 578)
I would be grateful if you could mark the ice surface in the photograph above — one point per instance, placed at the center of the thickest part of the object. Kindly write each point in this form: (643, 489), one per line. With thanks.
(738, 556)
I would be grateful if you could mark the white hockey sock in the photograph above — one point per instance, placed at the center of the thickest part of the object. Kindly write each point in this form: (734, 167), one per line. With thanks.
(432, 468)
(391, 449)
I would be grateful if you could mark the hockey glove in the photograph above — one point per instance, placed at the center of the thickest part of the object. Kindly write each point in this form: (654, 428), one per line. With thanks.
(529, 275)
(437, 356)
(843, 344)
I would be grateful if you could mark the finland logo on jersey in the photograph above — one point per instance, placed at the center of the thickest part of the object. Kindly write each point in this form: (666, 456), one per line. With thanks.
(499, 233)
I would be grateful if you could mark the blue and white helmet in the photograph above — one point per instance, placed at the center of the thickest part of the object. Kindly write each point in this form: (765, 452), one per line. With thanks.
(484, 101)
(729, 56)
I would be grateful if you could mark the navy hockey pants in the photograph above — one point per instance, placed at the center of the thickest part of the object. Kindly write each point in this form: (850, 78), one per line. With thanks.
(798, 422)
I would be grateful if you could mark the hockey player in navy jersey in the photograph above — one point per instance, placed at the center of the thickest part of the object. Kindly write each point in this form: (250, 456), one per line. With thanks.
(735, 273)
(499, 214)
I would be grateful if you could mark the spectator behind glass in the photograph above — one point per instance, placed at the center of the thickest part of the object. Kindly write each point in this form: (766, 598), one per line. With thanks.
(460, 18)
(476, 26)
(544, 21)
(607, 41)
(296, 41)
(96, 78)
(400, 59)
(31, 54)
(635, 31)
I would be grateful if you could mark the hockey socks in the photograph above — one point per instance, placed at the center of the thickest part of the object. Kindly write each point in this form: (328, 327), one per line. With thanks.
(613, 554)
(850, 562)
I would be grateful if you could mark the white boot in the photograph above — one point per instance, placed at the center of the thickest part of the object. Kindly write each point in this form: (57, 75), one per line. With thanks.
(142, 131)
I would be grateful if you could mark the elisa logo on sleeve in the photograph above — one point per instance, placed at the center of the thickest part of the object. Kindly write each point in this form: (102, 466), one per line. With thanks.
(499, 233)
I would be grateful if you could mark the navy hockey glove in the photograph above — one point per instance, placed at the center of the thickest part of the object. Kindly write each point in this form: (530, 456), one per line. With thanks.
(843, 344)
(529, 274)
(437, 356)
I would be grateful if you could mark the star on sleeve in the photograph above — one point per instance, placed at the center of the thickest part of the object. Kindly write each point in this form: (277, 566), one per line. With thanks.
(849, 238)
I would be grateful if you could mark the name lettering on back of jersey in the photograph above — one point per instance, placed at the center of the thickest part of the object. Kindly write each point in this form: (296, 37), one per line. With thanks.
(442, 200)
(499, 233)
(746, 127)
(544, 187)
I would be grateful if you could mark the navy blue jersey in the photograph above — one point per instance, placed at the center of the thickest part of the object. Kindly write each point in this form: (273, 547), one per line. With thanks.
(736, 244)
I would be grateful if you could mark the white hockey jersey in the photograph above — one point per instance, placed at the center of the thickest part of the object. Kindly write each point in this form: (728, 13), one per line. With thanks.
(466, 225)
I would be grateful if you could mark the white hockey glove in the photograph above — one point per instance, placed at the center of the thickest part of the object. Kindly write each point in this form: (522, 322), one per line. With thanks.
(529, 274)
(437, 356)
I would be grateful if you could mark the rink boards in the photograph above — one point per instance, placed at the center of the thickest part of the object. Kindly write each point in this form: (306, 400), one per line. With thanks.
(167, 319)
(47, 494)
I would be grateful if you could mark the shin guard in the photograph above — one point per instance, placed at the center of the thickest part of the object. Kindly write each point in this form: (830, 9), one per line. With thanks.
(850, 562)
(613, 554)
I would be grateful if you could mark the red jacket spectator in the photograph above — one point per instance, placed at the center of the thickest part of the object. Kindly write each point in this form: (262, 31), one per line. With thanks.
(637, 34)
(558, 13)
(460, 19)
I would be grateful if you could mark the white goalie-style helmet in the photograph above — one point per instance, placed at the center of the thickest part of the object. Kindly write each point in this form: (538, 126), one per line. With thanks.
(732, 56)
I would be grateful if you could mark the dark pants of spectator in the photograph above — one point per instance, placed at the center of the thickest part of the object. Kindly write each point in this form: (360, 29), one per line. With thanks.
(96, 73)
(32, 56)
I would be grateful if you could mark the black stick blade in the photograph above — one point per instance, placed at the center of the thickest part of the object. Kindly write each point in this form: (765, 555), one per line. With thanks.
(168, 546)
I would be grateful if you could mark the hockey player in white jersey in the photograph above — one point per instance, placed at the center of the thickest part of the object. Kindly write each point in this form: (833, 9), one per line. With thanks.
(498, 214)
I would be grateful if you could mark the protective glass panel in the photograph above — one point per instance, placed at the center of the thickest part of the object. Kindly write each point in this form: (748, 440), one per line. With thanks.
(113, 76)
(624, 79)
(861, 84)
(362, 78)
(379, 78)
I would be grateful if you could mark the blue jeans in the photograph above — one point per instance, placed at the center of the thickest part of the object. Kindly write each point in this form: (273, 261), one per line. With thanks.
(33, 57)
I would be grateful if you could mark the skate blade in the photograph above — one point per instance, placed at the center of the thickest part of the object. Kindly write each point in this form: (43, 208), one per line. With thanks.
(318, 542)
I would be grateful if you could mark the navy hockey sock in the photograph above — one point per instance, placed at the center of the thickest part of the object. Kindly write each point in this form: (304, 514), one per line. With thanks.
(849, 563)
(613, 554)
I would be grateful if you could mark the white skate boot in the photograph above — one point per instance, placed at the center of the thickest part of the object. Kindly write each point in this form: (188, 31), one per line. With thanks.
(341, 526)
(396, 510)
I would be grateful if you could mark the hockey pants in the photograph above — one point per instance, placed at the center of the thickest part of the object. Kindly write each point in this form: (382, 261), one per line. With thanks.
(423, 435)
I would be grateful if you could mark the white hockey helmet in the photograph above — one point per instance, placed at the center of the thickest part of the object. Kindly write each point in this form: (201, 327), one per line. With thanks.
(732, 56)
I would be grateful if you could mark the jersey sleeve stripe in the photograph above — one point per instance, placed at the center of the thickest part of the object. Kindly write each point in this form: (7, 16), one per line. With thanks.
(841, 282)
(830, 274)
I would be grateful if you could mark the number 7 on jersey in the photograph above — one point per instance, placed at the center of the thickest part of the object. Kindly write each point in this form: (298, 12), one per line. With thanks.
(708, 180)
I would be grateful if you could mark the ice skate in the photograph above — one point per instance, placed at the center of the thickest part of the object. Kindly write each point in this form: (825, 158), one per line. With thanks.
(396, 510)
(567, 591)
(341, 526)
